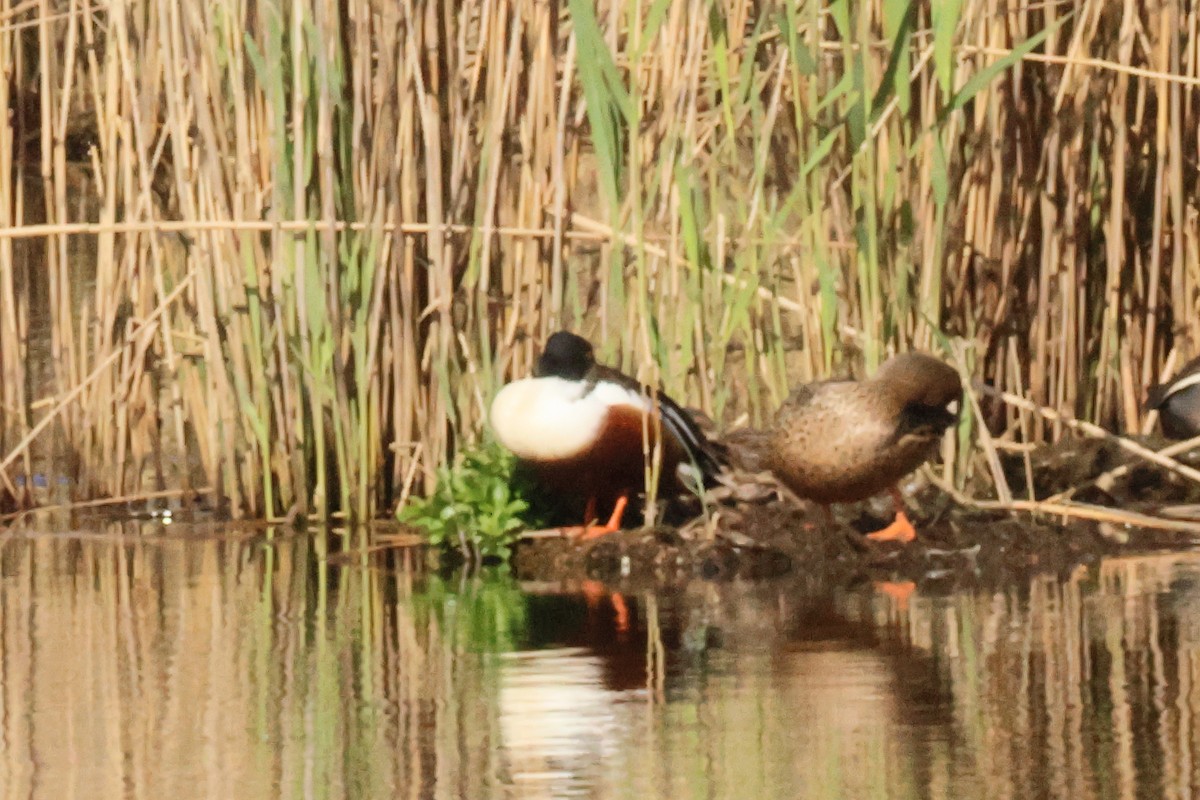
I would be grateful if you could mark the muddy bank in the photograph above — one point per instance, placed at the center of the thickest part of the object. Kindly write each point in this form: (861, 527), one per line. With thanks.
(957, 547)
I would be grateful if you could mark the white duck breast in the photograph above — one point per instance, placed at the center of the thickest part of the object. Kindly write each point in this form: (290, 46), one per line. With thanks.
(546, 419)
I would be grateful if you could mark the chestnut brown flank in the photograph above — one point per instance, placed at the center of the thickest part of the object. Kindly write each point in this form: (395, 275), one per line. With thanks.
(614, 463)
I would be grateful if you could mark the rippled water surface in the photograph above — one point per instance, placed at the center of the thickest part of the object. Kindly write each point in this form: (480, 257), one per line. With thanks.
(151, 662)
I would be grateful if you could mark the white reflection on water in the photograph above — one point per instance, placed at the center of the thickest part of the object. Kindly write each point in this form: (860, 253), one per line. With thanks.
(558, 722)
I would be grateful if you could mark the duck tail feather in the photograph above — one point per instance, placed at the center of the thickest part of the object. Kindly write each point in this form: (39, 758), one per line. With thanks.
(709, 457)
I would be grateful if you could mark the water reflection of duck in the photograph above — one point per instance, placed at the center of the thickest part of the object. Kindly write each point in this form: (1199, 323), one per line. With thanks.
(588, 615)
(561, 700)
(559, 725)
(1178, 402)
(843, 441)
(721, 672)
(581, 426)
(831, 658)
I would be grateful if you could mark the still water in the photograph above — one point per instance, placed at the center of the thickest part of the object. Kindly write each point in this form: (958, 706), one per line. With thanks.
(148, 662)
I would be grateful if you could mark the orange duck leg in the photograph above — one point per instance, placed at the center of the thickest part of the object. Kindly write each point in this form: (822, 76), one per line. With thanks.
(901, 529)
(589, 530)
(592, 589)
(614, 522)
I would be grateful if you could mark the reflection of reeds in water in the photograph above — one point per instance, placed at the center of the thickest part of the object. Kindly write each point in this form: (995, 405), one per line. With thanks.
(764, 698)
(1080, 689)
(378, 210)
(228, 668)
(216, 664)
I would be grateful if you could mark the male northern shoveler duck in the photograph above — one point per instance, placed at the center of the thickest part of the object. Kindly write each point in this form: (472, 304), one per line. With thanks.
(842, 441)
(582, 426)
(1178, 402)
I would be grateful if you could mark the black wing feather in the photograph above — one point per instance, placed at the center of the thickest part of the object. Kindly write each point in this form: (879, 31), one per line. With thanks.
(707, 455)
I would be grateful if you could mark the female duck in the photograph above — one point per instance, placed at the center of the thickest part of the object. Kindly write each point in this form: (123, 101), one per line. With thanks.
(584, 428)
(843, 441)
(1178, 402)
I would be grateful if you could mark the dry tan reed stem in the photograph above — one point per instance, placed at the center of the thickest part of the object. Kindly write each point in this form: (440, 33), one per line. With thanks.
(1094, 431)
(19, 9)
(288, 226)
(600, 229)
(985, 436)
(1094, 63)
(146, 327)
(107, 501)
(1117, 516)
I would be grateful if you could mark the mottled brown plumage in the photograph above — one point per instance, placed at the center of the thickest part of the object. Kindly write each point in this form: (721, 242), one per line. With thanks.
(842, 441)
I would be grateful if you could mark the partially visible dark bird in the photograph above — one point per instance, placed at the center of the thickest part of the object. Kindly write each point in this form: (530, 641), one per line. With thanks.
(1178, 402)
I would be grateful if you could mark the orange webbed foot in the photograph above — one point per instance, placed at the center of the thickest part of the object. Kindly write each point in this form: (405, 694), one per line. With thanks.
(612, 526)
(901, 530)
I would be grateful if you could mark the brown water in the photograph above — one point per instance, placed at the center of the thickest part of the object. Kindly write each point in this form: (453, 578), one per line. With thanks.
(158, 662)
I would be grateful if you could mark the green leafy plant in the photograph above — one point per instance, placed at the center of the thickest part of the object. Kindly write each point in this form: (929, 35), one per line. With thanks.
(480, 505)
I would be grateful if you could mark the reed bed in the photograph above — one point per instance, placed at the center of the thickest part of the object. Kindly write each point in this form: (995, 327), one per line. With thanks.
(288, 250)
